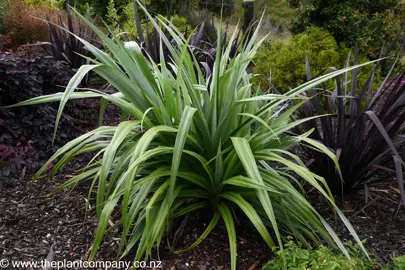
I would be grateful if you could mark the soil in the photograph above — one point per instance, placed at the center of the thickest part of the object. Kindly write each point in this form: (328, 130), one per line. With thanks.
(34, 226)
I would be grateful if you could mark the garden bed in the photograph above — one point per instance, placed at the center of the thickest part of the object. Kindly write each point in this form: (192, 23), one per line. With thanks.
(32, 222)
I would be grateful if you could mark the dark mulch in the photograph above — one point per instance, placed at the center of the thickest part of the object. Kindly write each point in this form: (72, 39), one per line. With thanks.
(213, 252)
(380, 221)
(30, 222)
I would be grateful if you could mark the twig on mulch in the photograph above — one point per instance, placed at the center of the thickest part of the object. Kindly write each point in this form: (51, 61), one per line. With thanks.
(364, 207)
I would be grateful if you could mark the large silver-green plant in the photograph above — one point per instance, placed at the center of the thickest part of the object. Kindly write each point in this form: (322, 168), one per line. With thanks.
(197, 143)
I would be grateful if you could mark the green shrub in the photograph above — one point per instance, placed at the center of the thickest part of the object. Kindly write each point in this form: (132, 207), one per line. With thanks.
(112, 17)
(196, 144)
(322, 258)
(283, 63)
(98, 7)
(286, 60)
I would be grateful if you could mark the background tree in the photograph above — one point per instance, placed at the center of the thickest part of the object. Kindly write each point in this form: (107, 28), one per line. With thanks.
(372, 24)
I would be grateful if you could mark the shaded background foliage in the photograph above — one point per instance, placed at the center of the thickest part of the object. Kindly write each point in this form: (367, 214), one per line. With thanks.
(99, 7)
(20, 23)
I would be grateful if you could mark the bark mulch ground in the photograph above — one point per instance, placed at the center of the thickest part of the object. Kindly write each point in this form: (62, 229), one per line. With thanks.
(31, 222)
(380, 221)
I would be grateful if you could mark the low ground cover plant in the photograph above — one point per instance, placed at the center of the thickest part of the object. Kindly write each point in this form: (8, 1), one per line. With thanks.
(197, 142)
(398, 263)
(321, 258)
